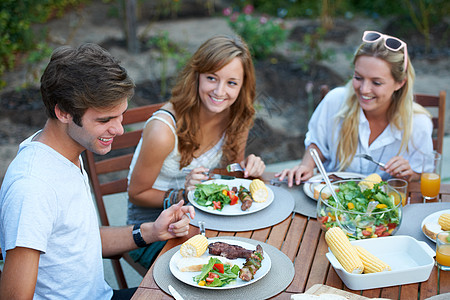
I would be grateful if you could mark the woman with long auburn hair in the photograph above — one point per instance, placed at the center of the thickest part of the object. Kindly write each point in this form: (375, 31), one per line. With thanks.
(205, 125)
(373, 114)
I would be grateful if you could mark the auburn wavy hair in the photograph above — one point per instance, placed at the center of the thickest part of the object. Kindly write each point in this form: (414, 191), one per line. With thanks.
(400, 112)
(212, 56)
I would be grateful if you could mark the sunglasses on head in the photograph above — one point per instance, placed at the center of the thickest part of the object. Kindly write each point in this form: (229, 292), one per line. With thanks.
(390, 42)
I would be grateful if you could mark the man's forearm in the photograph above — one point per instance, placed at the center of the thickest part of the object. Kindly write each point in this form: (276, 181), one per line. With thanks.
(118, 240)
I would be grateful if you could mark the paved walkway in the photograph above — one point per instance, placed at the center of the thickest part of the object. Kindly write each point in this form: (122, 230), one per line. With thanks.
(116, 206)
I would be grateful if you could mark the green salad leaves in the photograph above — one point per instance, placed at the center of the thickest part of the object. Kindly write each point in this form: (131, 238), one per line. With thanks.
(213, 277)
(352, 208)
(206, 194)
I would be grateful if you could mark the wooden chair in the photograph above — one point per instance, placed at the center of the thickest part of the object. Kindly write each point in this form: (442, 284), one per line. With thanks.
(118, 160)
(436, 106)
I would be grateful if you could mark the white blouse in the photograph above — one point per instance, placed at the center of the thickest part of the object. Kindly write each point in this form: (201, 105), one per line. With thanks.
(324, 128)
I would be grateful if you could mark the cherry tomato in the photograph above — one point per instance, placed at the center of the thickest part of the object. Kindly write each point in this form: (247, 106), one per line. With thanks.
(234, 199)
(219, 268)
(217, 204)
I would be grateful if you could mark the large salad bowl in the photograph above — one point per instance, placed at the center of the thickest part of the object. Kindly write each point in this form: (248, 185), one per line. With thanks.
(351, 212)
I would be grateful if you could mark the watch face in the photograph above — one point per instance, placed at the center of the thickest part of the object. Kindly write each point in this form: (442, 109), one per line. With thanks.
(137, 236)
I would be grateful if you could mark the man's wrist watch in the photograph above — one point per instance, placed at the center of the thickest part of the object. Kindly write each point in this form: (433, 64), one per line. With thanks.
(137, 236)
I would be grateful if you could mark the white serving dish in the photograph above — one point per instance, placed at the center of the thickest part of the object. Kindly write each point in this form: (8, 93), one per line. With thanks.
(410, 260)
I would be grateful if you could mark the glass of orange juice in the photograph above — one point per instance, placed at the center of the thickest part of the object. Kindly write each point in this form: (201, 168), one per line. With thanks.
(430, 180)
(443, 250)
(401, 186)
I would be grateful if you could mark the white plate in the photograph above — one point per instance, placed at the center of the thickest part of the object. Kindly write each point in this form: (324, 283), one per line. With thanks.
(410, 260)
(308, 188)
(187, 277)
(232, 210)
(433, 218)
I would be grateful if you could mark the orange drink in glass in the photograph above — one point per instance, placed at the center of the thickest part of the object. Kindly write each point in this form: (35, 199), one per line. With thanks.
(430, 184)
(401, 186)
(430, 180)
(443, 250)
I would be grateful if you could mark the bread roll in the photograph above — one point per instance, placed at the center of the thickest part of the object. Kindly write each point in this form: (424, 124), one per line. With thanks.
(431, 229)
(195, 264)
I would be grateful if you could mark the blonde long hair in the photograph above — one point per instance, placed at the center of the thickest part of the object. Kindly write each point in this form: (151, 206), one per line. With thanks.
(400, 112)
(212, 56)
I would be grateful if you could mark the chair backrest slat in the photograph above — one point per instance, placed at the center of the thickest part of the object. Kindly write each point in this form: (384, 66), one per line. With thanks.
(114, 187)
(114, 164)
(437, 102)
(128, 139)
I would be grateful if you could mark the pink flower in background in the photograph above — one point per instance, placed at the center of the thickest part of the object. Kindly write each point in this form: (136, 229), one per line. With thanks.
(234, 17)
(227, 11)
(264, 19)
(248, 9)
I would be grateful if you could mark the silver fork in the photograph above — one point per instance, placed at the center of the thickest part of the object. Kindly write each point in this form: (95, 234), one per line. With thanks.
(370, 158)
(234, 167)
(201, 226)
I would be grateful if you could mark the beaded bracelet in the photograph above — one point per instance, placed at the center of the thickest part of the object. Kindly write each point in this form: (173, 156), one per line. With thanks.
(167, 201)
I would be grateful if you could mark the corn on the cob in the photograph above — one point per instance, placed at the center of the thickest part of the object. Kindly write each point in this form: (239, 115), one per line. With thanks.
(369, 181)
(195, 246)
(258, 190)
(343, 250)
(444, 221)
(372, 264)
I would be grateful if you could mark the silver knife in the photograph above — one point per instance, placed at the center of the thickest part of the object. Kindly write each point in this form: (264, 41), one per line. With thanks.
(212, 175)
(219, 176)
(174, 293)
(276, 181)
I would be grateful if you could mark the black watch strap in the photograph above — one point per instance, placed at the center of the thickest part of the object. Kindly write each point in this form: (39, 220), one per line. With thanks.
(137, 236)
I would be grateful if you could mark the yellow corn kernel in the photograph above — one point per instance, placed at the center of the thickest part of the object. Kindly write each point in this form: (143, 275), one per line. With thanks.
(195, 246)
(258, 190)
(444, 221)
(201, 283)
(369, 181)
(350, 205)
(381, 205)
(374, 236)
(343, 251)
(369, 229)
(225, 192)
(372, 264)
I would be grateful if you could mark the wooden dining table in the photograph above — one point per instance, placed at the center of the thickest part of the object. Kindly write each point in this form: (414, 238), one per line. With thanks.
(301, 239)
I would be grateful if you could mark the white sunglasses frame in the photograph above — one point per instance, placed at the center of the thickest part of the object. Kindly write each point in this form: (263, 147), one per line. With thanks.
(385, 37)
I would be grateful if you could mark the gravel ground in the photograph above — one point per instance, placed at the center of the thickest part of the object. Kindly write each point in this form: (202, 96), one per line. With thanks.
(92, 24)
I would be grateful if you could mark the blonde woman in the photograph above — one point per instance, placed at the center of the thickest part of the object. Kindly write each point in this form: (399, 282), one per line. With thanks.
(373, 114)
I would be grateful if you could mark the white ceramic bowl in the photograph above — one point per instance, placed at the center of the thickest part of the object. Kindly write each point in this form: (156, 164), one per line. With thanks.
(410, 260)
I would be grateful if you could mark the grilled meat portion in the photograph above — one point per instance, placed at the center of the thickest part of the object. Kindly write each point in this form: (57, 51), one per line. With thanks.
(246, 199)
(252, 264)
(229, 251)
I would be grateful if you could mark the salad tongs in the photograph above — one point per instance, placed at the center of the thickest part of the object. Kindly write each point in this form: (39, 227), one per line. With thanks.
(349, 227)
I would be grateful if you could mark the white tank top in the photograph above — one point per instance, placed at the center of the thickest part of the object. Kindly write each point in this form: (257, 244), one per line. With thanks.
(170, 175)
